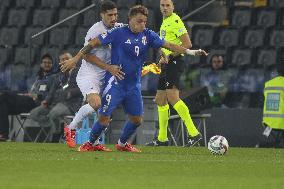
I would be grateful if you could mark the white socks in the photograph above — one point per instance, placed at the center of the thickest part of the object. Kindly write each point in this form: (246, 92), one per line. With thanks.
(80, 115)
(120, 143)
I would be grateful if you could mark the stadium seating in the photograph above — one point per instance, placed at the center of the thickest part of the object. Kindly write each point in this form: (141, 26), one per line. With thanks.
(276, 3)
(181, 7)
(151, 22)
(76, 4)
(43, 17)
(276, 37)
(61, 36)
(30, 31)
(18, 17)
(81, 32)
(202, 36)
(153, 4)
(241, 56)
(64, 13)
(125, 3)
(10, 36)
(25, 3)
(228, 36)
(122, 15)
(90, 17)
(266, 17)
(5, 55)
(266, 57)
(241, 16)
(254, 37)
(5, 3)
(2, 15)
(22, 55)
(50, 3)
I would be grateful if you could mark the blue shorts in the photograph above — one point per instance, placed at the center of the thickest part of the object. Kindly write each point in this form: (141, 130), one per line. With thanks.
(131, 101)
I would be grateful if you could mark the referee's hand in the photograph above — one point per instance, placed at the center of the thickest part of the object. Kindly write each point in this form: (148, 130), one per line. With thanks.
(163, 60)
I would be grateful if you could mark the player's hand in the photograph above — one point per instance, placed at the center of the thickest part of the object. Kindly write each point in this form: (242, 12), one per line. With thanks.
(163, 60)
(201, 52)
(115, 70)
(68, 64)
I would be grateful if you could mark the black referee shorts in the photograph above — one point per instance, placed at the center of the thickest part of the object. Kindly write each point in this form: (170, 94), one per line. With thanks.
(171, 72)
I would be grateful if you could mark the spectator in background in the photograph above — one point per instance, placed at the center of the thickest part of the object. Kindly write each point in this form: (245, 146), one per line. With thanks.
(64, 98)
(12, 103)
(273, 111)
(216, 80)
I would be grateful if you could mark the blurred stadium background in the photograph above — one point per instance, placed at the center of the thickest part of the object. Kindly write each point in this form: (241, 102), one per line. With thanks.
(248, 33)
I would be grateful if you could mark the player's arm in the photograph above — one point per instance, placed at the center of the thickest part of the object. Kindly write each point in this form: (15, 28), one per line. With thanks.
(71, 63)
(185, 42)
(181, 50)
(115, 70)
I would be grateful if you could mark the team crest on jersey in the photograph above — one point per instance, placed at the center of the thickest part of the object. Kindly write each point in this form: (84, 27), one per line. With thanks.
(104, 35)
(144, 40)
(128, 41)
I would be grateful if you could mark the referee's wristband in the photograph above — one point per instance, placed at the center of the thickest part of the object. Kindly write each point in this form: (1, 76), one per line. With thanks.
(191, 52)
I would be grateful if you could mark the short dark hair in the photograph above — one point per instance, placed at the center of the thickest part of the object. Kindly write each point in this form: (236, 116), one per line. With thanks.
(138, 9)
(107, 5)
(46, 55)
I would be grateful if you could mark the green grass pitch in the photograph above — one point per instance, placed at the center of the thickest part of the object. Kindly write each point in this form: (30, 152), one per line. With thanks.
(36, 166)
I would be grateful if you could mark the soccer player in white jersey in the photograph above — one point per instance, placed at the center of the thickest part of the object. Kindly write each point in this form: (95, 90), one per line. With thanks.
(91, 75)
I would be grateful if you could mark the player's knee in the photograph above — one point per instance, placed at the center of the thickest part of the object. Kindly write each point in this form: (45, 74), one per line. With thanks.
(173, 97)
(104, 120)
(161, 101)
(136, 120)
(94, 101)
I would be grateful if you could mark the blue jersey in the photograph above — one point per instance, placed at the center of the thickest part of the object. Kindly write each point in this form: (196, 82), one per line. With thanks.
(129, 50)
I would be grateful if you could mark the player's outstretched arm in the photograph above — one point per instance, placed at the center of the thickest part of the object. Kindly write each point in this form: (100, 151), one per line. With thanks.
(71, 63)
(113, 69)
(182, 50)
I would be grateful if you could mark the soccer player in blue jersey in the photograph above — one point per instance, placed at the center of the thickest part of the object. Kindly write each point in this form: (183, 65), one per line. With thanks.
(129, 45)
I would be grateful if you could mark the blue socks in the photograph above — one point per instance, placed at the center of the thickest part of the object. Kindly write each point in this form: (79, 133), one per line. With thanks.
(128, 130)
(96, 132)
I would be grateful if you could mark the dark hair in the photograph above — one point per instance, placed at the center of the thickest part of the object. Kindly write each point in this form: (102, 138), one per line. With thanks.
(47, 56)
(40, 72)
(107, 5)
(138, 9)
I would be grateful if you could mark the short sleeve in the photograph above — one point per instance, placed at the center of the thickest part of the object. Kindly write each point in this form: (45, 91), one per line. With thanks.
(179, 27)
(155, 40)
(107, 37)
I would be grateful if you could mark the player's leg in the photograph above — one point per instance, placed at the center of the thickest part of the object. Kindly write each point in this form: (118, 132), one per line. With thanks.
(133, 106)
(110, 101)
(90, 88)
(172, 90)
(163, 115)
(93, 144)
(163, 110)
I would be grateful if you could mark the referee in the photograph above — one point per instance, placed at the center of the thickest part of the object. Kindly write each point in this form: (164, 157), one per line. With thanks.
(174, 31)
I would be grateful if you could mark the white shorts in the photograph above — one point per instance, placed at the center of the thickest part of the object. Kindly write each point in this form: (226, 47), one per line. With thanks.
(89, 81)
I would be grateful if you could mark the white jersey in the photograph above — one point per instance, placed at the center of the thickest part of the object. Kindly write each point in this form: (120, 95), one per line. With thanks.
(90, 76)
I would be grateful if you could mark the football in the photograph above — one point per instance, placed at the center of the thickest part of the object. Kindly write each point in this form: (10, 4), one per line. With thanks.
(218, 145)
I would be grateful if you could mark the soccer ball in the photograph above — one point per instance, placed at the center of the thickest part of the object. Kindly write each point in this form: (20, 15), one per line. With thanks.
(218, 145)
